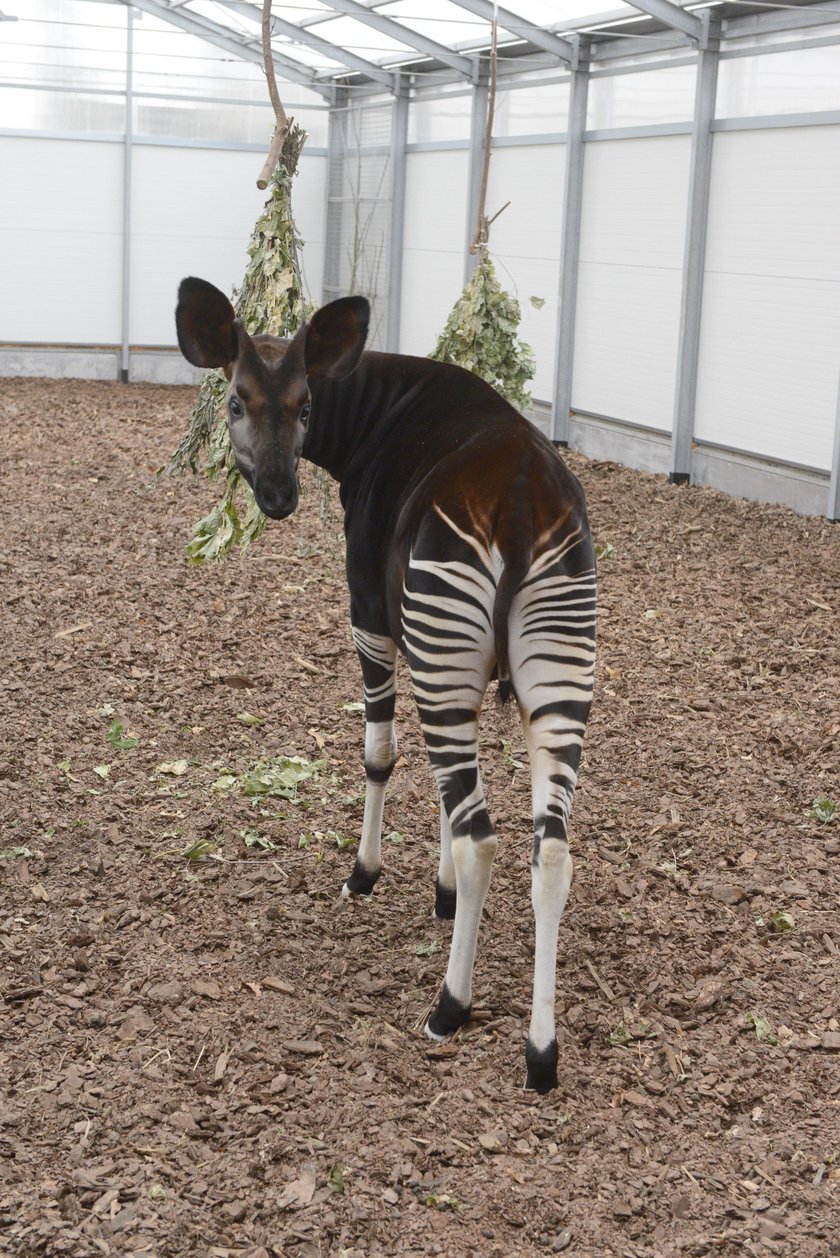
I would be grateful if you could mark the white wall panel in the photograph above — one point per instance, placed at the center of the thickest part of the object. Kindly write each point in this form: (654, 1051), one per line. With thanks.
(193, 211)
(60, 241)
(525, 243)
(435, 234)
(634, 210)
(770, 335)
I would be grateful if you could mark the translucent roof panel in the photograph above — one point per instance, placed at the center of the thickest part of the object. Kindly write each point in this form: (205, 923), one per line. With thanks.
(439, 20)
(365, 40)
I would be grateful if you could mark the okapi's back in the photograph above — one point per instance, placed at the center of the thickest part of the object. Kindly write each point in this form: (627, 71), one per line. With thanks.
(425, 431)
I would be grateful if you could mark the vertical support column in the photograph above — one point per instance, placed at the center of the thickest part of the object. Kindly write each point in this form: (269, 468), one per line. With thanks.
(694, 257)
(396, 231)
(833, 511)
(570, 246)
(478, 123)
(336, 151)
(127, 162)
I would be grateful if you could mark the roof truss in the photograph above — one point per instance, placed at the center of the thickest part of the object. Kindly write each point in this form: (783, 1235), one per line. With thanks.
(672, 15)
(521, 27)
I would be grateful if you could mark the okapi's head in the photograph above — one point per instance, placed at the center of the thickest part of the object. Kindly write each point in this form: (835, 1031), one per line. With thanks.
(268, 399)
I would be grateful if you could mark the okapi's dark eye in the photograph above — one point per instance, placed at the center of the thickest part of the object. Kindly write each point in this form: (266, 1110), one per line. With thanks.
(236, 408)
(304, 413)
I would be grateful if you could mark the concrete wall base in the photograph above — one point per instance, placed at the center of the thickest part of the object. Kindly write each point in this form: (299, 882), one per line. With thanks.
(150, 366)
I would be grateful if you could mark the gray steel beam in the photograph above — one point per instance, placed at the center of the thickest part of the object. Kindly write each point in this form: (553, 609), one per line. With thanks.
(127, 165)
(478, 124)
(694, 260)
(570, 249)
(336, 150)
(833, 511)
(222, 37)
(420, 43)
(672, 15)
(519, 26)
(396, 227)
(303, 36)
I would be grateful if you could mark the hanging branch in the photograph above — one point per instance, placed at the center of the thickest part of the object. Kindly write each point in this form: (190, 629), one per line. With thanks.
(483, 225)
(481, 331)
(281, 121)
(270, 299)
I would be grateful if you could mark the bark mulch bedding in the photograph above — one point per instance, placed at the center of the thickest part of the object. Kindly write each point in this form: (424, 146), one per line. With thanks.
(213, 1057)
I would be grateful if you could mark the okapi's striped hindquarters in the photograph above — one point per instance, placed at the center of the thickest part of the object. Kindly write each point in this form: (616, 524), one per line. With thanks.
(468, 549)
(451, 588)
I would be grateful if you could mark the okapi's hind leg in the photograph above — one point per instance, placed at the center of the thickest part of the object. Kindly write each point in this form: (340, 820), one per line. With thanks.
(445, 897)
(450, 648)
(378, 658)
(552, 656)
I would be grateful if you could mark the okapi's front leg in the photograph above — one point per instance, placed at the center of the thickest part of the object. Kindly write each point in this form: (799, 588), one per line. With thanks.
(378, 658)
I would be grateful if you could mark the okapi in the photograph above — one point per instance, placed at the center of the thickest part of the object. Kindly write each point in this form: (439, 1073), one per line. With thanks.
(468, 549)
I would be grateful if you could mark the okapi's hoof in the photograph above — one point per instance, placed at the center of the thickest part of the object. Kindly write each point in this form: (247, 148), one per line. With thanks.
(449, 1015)
(444, 901)
(361, 881)
(542, 1067)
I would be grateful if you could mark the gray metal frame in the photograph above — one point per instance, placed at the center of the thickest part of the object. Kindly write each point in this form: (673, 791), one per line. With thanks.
(694, 259)
(672, 15)
(478, 124)
(397, 170)
(570, 248)
(222, 37)
(519, 26)
(127, 172)
(833, 506)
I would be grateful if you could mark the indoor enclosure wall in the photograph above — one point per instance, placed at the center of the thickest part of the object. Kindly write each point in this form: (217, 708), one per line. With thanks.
(386, 202)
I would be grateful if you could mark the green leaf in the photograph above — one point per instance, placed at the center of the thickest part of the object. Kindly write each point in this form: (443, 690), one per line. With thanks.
(260, 841)
(247, 718)
(116, 737)
(281, 776)
(196, 851)
(824, 809)
(103, 770)
(763, 1029)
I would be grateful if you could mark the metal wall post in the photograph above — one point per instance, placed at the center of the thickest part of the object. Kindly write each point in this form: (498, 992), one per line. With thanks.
(478, 123)
(396, 230)
(833, 511)
(336, 151)
(127, 161)
(694, 256)
(570, 245)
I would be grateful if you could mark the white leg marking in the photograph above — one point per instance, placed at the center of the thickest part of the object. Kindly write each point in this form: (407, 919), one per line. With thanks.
(473, 860)
(550, 882)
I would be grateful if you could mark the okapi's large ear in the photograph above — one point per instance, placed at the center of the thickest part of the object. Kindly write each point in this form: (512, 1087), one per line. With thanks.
(204, 318)
(336, 337)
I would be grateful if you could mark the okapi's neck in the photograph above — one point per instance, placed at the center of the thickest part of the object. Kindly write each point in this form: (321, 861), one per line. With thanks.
(346, 413)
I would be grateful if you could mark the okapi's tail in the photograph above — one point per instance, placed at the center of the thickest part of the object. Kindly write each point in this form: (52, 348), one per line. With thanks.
(513, 574)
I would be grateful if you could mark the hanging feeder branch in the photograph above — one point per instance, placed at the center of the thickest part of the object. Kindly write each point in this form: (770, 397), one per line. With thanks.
(481, 331)
(483, 224)
(281, 121)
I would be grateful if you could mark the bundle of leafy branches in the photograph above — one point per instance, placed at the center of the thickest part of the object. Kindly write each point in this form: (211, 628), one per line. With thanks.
(481, 335)
(270, 300)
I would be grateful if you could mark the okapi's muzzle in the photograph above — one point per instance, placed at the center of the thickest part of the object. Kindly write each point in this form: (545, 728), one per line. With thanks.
(276, 501)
